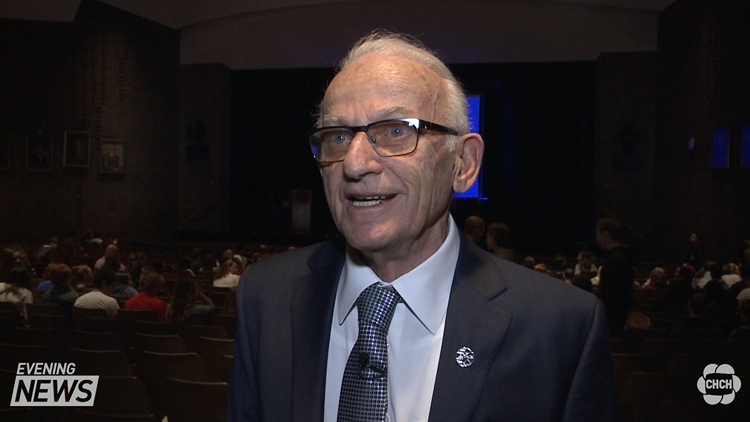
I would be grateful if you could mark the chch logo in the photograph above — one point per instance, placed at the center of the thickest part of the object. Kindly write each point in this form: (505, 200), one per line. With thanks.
(719, 384)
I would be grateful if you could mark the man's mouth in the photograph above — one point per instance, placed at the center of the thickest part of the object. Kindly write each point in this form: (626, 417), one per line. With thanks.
(368, 201)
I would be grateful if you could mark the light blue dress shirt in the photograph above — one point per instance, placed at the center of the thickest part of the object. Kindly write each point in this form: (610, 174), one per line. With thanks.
(415, 335)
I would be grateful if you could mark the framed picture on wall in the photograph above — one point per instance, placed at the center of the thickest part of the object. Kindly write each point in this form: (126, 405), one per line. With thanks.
(76, 148)
(112, 157)
(4, 152)
(38, 152)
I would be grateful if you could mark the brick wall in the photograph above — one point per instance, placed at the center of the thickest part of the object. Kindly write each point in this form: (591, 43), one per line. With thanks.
(108, 73)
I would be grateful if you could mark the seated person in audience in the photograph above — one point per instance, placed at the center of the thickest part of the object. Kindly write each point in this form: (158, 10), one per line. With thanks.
(497, 241)
(568, 275)
(82, 279)
(21, 258)
(705, 274)
(122, 285)
(187, 301)
(46, 254)
(227, 274)
(150, 284)
(474, 229)
(134, 267)
(695, 317)
(744, 294)
(101, 296)
(15, 289)
(584, 264)
(112, 258)
(529, 262)
(731, 275)
(61, 294)
(656, 279)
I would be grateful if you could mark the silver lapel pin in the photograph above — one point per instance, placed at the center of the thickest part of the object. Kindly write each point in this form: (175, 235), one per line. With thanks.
(464, 357)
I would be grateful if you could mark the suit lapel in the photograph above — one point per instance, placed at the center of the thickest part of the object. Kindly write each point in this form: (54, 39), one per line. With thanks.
(475, 321)
(312, 309)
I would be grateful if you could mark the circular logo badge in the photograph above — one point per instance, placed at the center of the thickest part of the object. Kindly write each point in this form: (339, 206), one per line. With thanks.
(719, 384)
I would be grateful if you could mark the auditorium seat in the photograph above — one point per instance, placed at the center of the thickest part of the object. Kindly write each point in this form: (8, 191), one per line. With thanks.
(188, 401)
(107, 363)
(157, 343)
(191, 332)
(97, 341)
(156, 368)
(229, 322)
(211, 351)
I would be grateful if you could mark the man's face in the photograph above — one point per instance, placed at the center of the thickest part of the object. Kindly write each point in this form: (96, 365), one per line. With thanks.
(380, 204)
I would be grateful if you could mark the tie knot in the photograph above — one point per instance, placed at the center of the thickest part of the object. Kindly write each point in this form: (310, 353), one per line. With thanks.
(376, 305)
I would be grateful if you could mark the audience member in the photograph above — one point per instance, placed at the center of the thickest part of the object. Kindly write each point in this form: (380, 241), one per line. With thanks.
(746, 253)
(45, 284)
(679, 288)
(529, 262)
(150, 283)
(705, 274)
(694, 256)
(497, 241)
(584, 264)
(568, 275)
(731, 275)
(187, 301)
(617, 276)
(61, 293)
(16, 289)
(21, 258)
(227, 274)
(474, 229)
(46, 254)
(123, 287)
(695, 318)
(134, 267)
(656, 278)
(111, 258)
(101, 296)
(82, 279)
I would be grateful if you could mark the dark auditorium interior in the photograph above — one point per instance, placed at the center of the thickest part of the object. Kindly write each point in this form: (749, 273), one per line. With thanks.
(178, 130)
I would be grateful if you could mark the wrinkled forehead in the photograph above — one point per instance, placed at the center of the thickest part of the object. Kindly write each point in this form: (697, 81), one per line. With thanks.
(377, 81)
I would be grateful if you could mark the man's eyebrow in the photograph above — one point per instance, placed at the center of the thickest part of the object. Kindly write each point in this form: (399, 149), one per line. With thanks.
(385, 114)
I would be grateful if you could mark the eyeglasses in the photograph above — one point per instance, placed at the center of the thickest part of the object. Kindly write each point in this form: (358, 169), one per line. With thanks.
(389, 138)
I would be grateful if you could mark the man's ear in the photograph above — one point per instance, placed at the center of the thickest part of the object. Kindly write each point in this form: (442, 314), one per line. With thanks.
(469, 152)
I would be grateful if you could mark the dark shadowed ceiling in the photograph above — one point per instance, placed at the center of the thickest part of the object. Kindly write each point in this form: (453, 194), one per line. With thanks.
(250, 34)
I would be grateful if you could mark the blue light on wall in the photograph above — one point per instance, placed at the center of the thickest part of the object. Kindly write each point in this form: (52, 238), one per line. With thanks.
(475, 125)
(720, 153)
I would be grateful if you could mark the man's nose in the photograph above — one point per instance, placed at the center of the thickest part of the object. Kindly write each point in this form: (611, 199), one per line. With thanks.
(361, 158)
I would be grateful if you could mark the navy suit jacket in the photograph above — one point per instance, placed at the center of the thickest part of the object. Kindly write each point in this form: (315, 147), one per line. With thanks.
(541, 346)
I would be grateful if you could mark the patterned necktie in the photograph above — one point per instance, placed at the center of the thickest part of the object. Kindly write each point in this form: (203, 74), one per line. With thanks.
(364, 389)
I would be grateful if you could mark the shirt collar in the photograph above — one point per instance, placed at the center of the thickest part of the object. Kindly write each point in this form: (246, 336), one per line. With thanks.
(425, 289)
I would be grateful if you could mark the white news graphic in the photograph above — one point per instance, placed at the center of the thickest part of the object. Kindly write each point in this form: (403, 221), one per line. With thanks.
(719, 384)
(52, 384)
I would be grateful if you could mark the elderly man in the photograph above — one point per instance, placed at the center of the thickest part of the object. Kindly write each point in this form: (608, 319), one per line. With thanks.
(405, 319)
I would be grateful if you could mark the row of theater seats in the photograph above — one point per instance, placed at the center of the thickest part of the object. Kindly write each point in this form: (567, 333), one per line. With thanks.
(657, 377)
(147, 370)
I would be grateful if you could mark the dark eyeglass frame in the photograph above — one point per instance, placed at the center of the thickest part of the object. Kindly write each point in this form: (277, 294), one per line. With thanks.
(419, 124)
